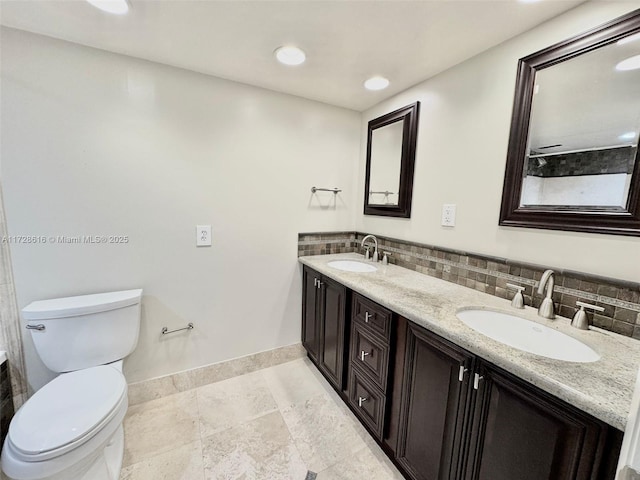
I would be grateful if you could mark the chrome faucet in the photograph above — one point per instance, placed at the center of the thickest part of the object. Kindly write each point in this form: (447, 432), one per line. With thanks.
(375, 251)
(547, 309)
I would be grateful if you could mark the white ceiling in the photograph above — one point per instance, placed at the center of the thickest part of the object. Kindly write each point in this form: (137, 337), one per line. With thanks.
(345, 41)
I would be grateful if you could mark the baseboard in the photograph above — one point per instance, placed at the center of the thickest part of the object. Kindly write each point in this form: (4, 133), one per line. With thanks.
(179, 382)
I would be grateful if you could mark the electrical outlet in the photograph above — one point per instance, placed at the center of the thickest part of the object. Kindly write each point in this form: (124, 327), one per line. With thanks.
(203, 235)
(448, 215)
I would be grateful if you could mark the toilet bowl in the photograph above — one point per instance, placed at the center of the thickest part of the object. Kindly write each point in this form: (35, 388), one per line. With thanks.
(71, 429)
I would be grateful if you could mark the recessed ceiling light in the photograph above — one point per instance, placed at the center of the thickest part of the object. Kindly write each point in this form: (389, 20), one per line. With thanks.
(117, 7)
(290, 55)
(627, 136)
(629, 39)
(631, 63)
(376, 83)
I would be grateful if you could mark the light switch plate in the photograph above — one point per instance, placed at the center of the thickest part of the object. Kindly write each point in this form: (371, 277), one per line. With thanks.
(203, 235)
(448, 215)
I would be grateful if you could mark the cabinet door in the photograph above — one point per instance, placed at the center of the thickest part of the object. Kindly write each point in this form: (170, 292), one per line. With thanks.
(310, 322)
(332, 331)
(519, 432)
(432, 406)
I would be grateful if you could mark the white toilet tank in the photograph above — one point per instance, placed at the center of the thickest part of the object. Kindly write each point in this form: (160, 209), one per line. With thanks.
(85, 331)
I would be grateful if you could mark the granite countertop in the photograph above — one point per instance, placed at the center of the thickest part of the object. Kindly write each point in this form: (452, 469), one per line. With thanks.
(603, 388)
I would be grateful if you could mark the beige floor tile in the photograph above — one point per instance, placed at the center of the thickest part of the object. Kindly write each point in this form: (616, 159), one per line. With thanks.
(268, 425)
(261, 449)
(231, 402)
(293, 382)
(160, 426)
(183, 463)
(364, 464)
(323, 434)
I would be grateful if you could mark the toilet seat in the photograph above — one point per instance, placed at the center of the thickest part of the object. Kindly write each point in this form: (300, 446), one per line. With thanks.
(67, 412)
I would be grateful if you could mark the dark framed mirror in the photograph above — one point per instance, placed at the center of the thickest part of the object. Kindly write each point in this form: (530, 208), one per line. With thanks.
(573, 161)
(391, 154)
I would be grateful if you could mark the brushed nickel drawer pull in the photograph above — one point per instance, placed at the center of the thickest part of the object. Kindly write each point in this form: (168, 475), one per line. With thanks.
(462, 372)
(367, 316)
(361, 400)
(363, 354)
(476, 381)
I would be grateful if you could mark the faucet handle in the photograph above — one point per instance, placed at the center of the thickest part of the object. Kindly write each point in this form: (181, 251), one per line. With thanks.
(588, 305)
(367, 255)
(518, 299)
(580, 319)
(385, 258)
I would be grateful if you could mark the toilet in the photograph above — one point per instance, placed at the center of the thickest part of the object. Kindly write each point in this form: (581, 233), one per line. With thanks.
(71, 429)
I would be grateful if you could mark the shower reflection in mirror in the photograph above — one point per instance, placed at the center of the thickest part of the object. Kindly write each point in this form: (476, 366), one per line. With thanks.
(583, 135)
(572, 161)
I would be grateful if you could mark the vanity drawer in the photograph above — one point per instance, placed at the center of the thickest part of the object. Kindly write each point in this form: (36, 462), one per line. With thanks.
(370, 354)
(367, 400)
(374, 316)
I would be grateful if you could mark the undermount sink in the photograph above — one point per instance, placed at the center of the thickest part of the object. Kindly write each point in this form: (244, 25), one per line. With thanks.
(352, 266)
(529, 336)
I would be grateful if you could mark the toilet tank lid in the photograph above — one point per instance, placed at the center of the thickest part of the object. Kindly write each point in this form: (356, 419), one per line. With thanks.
(80, 305)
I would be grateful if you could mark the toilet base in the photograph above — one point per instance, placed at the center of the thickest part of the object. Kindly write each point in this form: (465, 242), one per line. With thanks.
(104, 463)
(108, 465)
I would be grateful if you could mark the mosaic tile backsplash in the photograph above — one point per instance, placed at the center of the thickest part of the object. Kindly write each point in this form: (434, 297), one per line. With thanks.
(620, 299)
(595, 162)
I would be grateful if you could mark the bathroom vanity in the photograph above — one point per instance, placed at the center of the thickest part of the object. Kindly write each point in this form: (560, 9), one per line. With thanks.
(446, 402)
(6, 397)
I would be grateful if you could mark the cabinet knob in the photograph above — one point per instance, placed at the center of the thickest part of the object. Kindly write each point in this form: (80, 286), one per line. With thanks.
(367, 316)
(461, 373)
(363, 354)
(361, 400)
(476, 381)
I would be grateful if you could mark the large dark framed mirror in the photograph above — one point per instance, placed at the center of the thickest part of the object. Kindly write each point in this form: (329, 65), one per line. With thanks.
(391, 153)
(573, 161)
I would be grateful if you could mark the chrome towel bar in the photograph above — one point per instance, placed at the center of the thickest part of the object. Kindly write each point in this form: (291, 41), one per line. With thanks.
(166, 331)
(334, 190)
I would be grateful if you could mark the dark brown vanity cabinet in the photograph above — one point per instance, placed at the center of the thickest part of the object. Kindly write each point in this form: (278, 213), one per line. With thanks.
(370, 350)
(324, 313)
(437, 410)
(462, 418)
(518, 431)
(435, 395)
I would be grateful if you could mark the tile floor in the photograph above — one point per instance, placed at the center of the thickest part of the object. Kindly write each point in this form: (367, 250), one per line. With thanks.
(273, 424)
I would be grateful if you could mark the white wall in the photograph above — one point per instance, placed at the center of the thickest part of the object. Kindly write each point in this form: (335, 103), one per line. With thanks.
(97, 143)
(461, 153)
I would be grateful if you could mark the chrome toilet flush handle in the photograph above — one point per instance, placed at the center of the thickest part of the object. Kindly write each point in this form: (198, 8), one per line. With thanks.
(40, 327)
